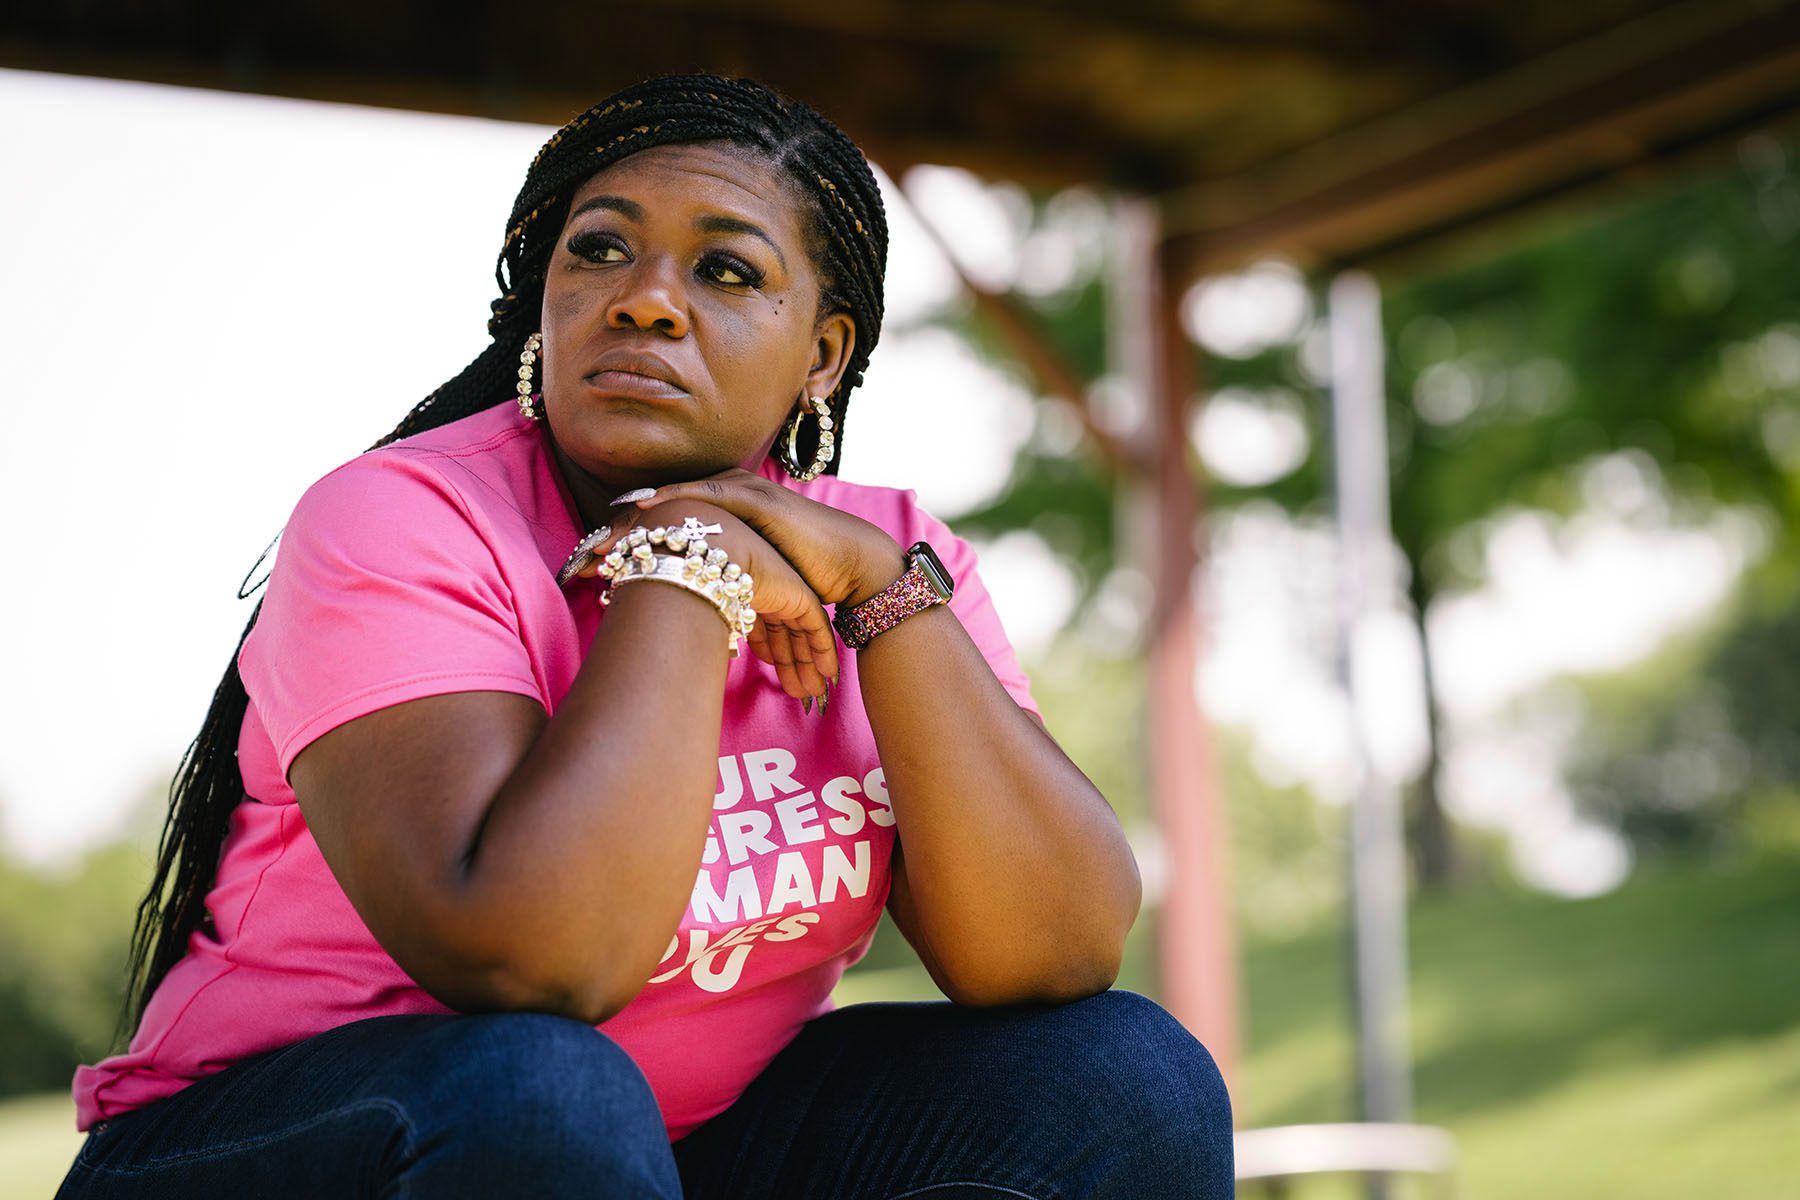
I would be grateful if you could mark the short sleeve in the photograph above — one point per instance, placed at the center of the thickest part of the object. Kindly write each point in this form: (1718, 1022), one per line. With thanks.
(383, 590)
(972, 604)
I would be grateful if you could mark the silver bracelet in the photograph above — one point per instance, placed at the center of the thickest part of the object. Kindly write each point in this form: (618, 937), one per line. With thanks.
(671, 569)
(702, 569)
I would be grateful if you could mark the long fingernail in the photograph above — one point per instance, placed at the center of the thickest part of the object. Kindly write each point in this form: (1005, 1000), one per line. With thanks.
(582, 555)
(806, 705)
(634, 495)
(826, 699)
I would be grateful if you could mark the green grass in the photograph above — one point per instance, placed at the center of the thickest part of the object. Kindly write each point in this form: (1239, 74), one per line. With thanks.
(1644, 1044)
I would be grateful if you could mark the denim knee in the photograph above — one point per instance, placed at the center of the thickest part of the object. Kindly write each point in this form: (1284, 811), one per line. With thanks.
(1152, 1090)
(536, 1100)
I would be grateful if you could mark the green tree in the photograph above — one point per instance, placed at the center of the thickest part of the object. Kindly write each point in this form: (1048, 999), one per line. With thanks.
(63, 941)
(1664, 327)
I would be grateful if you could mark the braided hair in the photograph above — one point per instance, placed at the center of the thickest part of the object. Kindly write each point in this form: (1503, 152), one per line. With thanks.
(847, 241)
(847, 231)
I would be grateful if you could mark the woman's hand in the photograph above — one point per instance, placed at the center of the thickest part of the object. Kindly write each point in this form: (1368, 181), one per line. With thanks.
(842, 558)
(792, 632)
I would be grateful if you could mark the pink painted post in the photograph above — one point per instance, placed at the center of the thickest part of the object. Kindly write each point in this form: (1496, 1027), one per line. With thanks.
(1198, 947)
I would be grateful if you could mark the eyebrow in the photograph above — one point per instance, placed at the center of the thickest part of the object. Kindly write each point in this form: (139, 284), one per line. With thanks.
(712, 223)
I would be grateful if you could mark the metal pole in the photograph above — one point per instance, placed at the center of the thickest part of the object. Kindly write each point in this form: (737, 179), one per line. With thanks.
(1377, 858)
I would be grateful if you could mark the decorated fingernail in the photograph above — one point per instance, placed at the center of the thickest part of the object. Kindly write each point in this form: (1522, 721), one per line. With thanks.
(826, 698)
(634, 495)
(583, 555)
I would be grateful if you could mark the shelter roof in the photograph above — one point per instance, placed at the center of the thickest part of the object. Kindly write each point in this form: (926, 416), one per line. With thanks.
(1331, 130)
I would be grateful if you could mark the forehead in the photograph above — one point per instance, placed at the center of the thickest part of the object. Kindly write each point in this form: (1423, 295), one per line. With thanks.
(701, 177)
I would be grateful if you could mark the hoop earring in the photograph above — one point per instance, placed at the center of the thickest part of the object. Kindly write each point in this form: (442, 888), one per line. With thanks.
(786, 443)
(527, 357)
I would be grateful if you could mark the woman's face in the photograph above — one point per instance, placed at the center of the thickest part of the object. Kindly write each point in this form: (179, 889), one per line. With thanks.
(680, 317)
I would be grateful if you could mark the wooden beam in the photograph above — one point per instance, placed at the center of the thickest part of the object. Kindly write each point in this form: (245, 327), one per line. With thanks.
(1465, 233)
(1689, 69)
(1005, 25)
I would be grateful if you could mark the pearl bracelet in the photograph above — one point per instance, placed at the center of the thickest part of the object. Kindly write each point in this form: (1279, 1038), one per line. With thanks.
(702, 569)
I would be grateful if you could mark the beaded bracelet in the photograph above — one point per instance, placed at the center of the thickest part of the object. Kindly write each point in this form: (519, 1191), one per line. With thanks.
(705, 570)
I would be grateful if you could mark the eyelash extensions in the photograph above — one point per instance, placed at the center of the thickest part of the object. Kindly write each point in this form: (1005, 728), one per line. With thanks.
(590, 243)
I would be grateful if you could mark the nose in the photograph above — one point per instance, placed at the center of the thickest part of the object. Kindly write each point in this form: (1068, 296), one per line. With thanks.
(649, 297)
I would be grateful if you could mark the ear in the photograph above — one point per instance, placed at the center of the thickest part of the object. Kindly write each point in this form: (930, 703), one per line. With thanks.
(834, 341)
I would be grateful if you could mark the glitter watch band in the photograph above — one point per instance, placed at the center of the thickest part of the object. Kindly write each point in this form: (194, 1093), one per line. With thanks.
(924, 583)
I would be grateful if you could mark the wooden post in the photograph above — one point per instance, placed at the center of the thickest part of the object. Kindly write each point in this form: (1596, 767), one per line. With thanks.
(1196, 944)
(1196, 948)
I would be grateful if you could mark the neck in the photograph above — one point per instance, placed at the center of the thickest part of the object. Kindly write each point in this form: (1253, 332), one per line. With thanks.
(594, 494)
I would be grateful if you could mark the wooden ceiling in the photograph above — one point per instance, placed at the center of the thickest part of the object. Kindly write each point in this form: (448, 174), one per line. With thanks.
(1328, 130)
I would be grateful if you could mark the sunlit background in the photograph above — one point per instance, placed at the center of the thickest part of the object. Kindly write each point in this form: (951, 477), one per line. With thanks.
(240, 293)
(214, 299)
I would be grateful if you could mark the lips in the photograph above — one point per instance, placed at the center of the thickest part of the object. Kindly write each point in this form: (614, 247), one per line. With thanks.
(635, 372)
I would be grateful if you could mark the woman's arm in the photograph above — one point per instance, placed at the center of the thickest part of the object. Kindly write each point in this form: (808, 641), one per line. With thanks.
(1013, 878)
(587, 854)
(509, 860)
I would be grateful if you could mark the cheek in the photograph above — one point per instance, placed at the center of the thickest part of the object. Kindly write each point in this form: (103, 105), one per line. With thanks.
(565, 305)
(756, 347)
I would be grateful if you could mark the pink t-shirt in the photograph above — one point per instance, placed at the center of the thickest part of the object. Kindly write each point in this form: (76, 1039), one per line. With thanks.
(428, 566)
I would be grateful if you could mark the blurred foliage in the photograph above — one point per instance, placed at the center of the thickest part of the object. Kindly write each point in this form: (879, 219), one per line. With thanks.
(63, 942)
(1666, 328)
(1662, 327)
(1659, 328)
(1287, 853)
(1064, 495)
(1696, 748)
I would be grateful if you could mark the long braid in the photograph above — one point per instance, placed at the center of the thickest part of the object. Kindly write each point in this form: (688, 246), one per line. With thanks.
(847, 233)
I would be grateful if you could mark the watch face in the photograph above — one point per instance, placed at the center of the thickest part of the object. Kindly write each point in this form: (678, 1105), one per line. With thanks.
(935, 574)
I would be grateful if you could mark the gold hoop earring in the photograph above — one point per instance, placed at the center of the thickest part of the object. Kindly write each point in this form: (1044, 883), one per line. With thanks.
(787, 451)
(527, 358)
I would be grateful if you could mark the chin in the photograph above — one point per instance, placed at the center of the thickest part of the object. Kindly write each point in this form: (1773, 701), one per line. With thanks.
(627, 456)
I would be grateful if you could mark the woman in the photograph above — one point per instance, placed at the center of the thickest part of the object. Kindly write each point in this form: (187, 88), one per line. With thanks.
(523, 880)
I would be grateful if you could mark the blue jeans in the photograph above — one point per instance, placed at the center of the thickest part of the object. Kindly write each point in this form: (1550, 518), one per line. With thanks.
(1106, 1097)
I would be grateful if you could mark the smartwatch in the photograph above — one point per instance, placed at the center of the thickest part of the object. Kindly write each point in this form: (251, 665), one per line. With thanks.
(924, 583)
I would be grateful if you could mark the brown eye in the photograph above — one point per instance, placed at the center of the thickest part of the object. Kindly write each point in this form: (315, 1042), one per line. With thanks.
(595, 247)
(731, 272)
